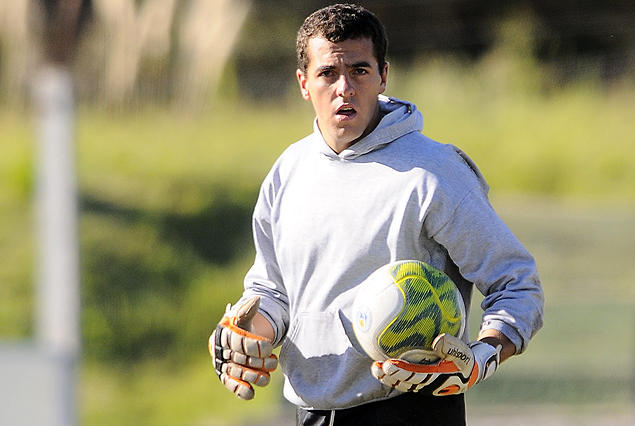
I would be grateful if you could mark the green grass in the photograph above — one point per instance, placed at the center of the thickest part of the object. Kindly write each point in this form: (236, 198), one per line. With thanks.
(582, 248)
(16, 234)
(160, 394)
(166, 201)
(158, 159)
(584, 353)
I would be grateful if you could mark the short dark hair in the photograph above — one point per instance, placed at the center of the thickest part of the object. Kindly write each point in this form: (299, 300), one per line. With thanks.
(338, 23)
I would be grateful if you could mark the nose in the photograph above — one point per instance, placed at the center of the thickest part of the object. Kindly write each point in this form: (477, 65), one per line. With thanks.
(344, 87)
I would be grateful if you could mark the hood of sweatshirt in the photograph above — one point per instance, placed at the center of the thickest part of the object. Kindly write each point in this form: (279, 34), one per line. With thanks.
(400, 118)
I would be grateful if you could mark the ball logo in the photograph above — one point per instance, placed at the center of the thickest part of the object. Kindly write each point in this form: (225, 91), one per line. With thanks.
(363, 318)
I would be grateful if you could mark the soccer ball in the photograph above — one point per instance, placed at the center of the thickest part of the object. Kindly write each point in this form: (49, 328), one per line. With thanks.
(402, 307)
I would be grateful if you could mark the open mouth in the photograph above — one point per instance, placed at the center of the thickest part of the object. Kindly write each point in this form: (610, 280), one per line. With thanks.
(346, 111)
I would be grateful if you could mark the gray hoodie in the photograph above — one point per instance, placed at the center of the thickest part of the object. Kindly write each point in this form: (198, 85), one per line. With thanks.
(324, 222)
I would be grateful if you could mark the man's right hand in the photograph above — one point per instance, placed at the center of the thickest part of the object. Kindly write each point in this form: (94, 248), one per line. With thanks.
(241, 358)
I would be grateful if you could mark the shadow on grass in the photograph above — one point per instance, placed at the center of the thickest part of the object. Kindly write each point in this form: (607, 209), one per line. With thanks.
(217, 233)
(140, 267)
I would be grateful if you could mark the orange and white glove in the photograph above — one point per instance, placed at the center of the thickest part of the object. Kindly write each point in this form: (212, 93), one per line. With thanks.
(241, 358)
(462, 366)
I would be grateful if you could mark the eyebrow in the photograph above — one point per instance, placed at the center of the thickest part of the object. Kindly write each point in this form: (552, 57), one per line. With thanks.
(360, 64)
(325, 68)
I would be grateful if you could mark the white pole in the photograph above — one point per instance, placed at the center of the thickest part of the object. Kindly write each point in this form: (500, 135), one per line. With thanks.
(58, 290)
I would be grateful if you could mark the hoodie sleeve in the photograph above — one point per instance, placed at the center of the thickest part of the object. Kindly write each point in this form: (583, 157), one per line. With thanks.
(264, 278)
(490, 256)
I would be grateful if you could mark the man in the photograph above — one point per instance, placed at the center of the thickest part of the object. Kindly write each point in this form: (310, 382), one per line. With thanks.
(364, 189)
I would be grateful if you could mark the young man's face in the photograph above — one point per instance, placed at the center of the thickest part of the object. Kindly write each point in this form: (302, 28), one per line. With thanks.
(342, 82)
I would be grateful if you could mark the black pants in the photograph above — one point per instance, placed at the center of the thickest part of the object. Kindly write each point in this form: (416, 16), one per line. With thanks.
(409, 409)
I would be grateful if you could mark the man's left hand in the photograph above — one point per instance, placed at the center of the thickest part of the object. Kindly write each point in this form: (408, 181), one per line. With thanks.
(462, 366)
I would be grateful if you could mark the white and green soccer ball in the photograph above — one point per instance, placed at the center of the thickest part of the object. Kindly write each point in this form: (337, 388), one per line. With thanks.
(402, 307)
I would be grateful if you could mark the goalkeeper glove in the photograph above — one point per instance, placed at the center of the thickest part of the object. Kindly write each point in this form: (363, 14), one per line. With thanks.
(461, 367)
(241, 358)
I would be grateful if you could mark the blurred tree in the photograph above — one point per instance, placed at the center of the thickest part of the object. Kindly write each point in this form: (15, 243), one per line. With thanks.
(128, 32)
(62, 26)
(131, 50)
(19, 48)
(172, 49)
(207, 36)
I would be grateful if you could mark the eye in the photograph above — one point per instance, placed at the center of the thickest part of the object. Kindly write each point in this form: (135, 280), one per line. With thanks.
(360, 71)
(326, 73)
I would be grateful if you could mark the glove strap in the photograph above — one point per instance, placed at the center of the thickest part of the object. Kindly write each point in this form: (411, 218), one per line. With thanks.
(487, 360)
(219, 358)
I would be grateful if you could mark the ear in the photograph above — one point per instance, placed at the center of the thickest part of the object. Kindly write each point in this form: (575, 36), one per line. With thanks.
(384, 78)
(302, 80)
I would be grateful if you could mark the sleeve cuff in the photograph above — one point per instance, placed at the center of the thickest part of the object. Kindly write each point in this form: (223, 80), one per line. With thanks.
(509, 331)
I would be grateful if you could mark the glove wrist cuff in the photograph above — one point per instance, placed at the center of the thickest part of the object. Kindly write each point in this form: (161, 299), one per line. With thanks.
(486, 357)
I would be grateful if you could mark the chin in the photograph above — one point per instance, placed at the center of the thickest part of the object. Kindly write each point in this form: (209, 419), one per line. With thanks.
(349, 136)
(347, 141)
